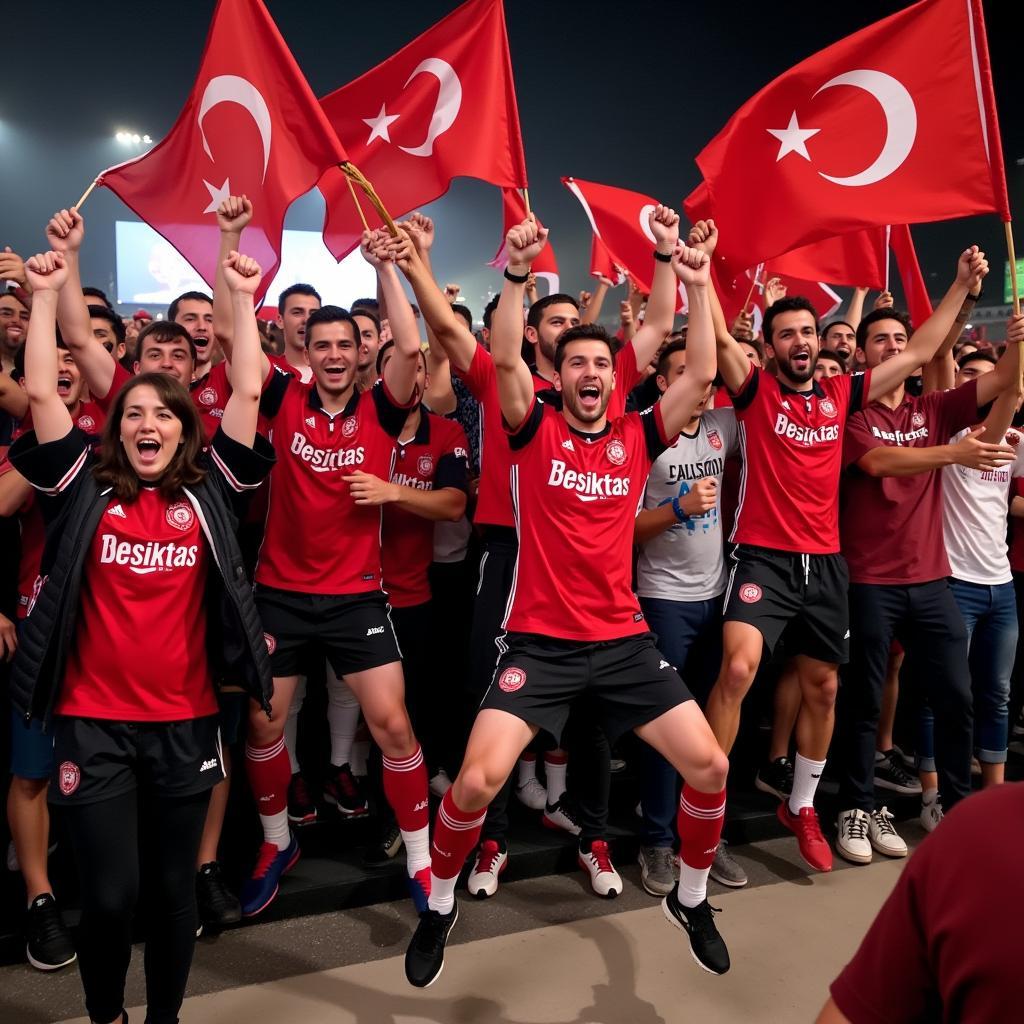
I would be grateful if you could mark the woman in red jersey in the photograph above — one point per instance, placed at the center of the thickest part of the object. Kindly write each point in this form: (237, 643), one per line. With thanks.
(142, 607)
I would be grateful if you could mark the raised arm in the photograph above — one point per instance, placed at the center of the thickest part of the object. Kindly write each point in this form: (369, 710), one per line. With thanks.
(233, 214)
(241, 277)
(47, 273)
(381, 251)
(523, 244)
(971, 267)
(1002, 385)
(940, 373)
(855, 311)
(661, 304)
(591, 313)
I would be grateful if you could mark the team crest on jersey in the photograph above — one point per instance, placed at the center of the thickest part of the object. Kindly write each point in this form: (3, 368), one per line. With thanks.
(349, 427)
(425, 465)
(828, 407)
(715, 440)
(180, 516)
(1012, 438)
(616, 452)
(512, 679)
(70, 776)
(208, 396)
(917, 420)
(271, 643)
(750, 593)
(86, 423)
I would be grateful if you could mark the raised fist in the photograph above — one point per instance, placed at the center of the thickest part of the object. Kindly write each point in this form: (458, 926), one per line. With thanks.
(46, 271)
(774, 290)
(451, 292)
(243, 273)
(702, 497)
(234, 214)
(12, 266)
(743, 326)
(971, 268)
(420, 228)
(664, 224)
(885, 301)
(525, 242)
(692, 266)
(703, 235)
(65, 231)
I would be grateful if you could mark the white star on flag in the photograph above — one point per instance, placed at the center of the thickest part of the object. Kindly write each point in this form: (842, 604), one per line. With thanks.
(217, 195)
(379, 125)
(793, 138)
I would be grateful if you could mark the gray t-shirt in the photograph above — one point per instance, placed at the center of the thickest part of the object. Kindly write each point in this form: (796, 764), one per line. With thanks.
(687, 562)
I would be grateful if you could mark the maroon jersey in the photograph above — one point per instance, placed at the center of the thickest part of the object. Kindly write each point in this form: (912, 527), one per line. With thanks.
(435, 457)
(1017, 529)
(318, 540)
(576, 497)
(792, 446)
(892, 526)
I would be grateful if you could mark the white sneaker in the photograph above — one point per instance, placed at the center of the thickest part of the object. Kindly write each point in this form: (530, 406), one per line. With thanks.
(559, 816)
(604, 879)
(489, 864)
(532, 794)
(852, 842)
(931, 814)
(440, 783)
(883, 837)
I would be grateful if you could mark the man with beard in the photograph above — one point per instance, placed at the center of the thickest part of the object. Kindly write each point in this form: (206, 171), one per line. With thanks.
(788, 575)
(13, 325)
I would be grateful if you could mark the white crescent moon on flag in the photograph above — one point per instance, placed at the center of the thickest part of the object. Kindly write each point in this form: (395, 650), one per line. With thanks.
(233, 89)
(645, 221)
(900, 123)
(449, 101)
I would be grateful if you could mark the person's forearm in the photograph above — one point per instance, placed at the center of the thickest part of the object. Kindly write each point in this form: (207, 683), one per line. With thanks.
(445, 505)
(701, 353)
(439, 395)
(72, 309)
(404, 329)
(651, 522)
(1017, 507)
(507, 322)
(927, 339)
(592, 313)
(855, 311)
(1000, 416)
(457, 342)
(223, 311)
(886, 461)
(41, 350)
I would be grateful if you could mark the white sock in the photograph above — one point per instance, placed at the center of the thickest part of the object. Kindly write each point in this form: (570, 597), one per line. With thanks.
(360, 752)
(693, 884)
(291, 724)
(342, 718)
(275, 829)
(527, 769)
(806, 776)
(417, 850)
(555, 774)
(442, 894)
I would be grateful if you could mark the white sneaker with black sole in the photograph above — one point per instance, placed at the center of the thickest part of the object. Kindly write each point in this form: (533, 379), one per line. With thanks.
(883, 836)
(597, 862)
(852, 843)
(490, 862)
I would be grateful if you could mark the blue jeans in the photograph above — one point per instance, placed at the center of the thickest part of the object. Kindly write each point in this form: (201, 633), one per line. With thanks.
(990, 615)
(689, 634)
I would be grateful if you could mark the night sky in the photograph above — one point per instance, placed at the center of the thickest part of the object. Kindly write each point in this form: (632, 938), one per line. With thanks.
(626, 94)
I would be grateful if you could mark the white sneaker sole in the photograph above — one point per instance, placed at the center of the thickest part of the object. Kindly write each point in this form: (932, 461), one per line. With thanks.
(851, 857)
(887, 852)
(39, 966)
(670, 917)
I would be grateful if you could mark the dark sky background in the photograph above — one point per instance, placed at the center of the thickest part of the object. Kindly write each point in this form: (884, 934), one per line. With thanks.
(622, 93)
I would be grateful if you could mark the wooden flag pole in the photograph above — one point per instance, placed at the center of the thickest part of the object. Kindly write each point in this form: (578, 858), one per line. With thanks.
(355, 199)
(526, 201)
(86, 193)
(753, 285)
(353, 173)
(1008, 228)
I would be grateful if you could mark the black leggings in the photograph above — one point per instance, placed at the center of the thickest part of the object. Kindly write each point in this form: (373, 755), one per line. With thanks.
(106, 840)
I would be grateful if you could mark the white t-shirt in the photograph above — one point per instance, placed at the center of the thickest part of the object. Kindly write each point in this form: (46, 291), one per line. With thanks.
(974, 510)
(686, 562)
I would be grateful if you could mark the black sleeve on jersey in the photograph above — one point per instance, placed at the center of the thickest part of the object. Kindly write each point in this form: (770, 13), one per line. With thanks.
(746, 394)
(274, 392)
(452, 471)
(52, 468)
(391, 415)
(243, 468)
(858, 393)
(527, 430)
(650, 420)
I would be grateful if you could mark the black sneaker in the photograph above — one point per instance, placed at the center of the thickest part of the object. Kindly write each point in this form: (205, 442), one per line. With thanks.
(218, 905)
(706, 945)
(424, 959)
(385, 849)
(343, 790)
(890, 774)
(301, 806)
(776, 778)
(49, 945)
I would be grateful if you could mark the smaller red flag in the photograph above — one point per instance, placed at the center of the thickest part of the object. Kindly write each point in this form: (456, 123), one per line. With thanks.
(514, 212)
(602, 266)
(914, 289)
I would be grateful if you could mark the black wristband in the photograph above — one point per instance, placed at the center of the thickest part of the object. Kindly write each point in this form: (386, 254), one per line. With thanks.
(516, 278)
(662, 257)
(974, 298)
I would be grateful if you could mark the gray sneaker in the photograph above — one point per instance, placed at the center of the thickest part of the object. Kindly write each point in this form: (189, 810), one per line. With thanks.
(657, 874)
(726, 868)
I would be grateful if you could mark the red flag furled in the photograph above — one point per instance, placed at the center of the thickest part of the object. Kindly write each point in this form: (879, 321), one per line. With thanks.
(251, 126)
(444, 106)
(602, 266)
(514, 212)
(914, 289)
(865, 133)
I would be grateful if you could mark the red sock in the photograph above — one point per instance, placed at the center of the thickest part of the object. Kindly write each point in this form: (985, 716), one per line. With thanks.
(456, 833)
(269, 772)
(699, 821)
(405, 786)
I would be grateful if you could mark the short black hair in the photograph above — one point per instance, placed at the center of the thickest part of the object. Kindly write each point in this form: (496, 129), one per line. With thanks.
(536, 314)
(297, 289)
(582, 332)
(387, 347)
(489, 311)
(163, 331)
(667, 353)
(827, 353)
(330, 315)
(172, 309)
(970, 357)
(372, 317)
(97, 293)
(886, 313)
(97, 312)
(836, 323)
(789, 304)
(756, 346)
(368, 305)
(459, 310)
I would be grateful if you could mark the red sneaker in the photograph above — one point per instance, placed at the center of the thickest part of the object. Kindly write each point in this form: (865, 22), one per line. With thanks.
(816, 852)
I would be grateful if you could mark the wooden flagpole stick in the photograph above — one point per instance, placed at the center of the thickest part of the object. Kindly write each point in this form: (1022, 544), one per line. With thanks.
(888, 253)
(753, 285)
(87, 193)
(353, 172)
(1008, 228)
(355, 199)
(526, 201)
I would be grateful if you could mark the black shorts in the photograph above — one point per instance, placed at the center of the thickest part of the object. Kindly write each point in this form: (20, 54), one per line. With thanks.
(95, 759)
(538, 678)
(800, 597)
(352, 631)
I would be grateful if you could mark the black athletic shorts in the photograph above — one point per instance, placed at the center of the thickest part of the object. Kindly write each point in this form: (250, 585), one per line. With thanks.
(803, 597)
(538, 678)
(352, 631)
(95, 759)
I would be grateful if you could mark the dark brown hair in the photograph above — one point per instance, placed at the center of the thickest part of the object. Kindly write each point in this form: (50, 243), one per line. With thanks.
(112, 466)
(162, 331)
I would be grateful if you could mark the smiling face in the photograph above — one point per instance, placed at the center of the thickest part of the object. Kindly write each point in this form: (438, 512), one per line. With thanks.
(333, 353)
(586, 380)
(369, 343)
(885, 340)
(172, 357)
(150, 432)
(841, 338)
(794, 345)
(13, 323)
(196, 316)
(104, 334)
(69, 379)
(292, 319)
(557, 317)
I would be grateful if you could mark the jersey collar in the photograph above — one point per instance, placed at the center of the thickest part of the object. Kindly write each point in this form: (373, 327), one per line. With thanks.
(422, 435)
(817, 390)
(316, 402)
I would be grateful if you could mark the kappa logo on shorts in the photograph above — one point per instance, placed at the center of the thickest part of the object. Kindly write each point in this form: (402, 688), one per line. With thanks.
(715, 440)
(271, 643)
(917, 420)
(750, 593)
(374, 630)
(180, 516)
(208, 396)
(512, 679)
(828, 407)
(425, 465)
(616, 452)
(349, 427)
(86, 424)
(70, 775)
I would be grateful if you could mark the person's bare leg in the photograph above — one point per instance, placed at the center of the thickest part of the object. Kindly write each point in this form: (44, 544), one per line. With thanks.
(890, 696)
(742, 646)
(29, 819)
(785, 711)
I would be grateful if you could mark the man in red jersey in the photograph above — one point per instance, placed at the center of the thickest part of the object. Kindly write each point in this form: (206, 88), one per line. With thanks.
(788, 575)
(194, 311)
(318, 579)
(573, 624)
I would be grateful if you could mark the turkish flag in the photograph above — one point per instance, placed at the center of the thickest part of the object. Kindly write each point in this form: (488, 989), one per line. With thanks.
(746, 292)
(514, 212)
(895, 124)
(915, 291)
(444, 106)
(602, 266)
(251, 126)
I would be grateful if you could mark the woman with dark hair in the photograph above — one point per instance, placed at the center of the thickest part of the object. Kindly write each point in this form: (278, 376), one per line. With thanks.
(142, 608)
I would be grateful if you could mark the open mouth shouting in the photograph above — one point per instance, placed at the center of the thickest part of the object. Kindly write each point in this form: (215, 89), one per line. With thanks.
(589, 396)
(800, 360)
(64, 386)
(148, 449)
